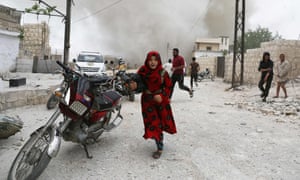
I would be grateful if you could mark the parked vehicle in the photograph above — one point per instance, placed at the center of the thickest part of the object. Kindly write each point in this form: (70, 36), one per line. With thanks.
(91, 109)
(206, 75)
(90, 63)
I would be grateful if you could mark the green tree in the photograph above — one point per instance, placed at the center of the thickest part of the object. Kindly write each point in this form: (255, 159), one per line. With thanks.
(253, 38)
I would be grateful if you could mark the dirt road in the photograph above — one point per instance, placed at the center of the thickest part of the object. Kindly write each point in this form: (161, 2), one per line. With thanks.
(215, 140)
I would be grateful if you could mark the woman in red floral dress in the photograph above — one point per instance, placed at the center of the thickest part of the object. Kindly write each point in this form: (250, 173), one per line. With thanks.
(156, 108)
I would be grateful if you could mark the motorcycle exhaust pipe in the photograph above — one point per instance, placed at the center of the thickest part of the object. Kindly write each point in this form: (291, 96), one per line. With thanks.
(54, 146)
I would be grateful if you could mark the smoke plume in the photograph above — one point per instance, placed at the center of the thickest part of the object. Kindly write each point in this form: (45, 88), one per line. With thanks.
(131, 28)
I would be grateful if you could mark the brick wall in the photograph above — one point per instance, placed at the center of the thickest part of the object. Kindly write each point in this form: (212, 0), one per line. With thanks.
(291, 49)
(208, 62)
(9, 19)
(35, 41)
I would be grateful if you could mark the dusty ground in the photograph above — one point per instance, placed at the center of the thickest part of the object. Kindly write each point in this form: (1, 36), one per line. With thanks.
(221, 135)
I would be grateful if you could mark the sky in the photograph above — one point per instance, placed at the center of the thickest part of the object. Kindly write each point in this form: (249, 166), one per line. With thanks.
(131, 28)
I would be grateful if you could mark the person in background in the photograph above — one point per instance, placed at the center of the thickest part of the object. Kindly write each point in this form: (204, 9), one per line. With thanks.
(266, 69)
(194, 68)
(281, 71)
(168, 66)
(155, 84)
(121, 65)
(178, 65)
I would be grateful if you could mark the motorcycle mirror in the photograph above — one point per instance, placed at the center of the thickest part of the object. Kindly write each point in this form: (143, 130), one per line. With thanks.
(105, 62)
(111, 62)
(74, 60)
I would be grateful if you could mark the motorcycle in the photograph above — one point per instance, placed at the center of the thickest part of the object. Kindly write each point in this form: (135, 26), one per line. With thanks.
(92, 108)
(205, 75)
(53, 99)
(120, 85)
(121, 79)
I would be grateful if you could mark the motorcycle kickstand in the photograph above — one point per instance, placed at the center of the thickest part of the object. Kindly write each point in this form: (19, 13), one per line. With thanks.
(87, 152)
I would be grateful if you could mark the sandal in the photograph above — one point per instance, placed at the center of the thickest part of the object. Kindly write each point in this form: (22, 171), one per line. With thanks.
(157, 154)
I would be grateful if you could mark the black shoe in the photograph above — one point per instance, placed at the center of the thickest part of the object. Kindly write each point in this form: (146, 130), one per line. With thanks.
(264, 99)
(262, 95)
(191, 93)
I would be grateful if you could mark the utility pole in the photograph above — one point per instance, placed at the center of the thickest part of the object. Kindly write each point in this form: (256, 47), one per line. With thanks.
(67, 31)
(238, 51)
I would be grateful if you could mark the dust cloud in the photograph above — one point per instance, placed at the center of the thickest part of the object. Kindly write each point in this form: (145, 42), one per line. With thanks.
(131, 28)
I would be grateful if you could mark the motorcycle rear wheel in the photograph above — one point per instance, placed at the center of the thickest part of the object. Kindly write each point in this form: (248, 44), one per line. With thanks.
(52, 102)
(31, 162)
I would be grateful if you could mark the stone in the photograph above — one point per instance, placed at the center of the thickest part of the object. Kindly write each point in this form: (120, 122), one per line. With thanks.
(9, 126)
(258, 130)
(229, 103)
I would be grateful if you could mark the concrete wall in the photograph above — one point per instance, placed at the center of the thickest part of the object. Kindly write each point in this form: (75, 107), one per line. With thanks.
(200, 54)
(204, 46)
(37, 66)
(24, 65)
(22, 98)
(208, 62)
(9, 48)
(46, 66)
(291, 49)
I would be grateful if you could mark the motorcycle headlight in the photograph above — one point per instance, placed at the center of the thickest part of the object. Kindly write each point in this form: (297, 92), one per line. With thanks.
(87, 98)
(59, 92)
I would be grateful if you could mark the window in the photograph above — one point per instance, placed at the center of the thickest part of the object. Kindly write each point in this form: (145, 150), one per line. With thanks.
(208, 48)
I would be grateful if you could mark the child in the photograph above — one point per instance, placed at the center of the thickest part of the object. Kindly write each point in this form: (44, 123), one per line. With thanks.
(156, 109)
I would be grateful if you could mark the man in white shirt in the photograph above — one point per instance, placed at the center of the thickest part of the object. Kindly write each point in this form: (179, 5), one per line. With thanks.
(168, 66)
(281, 71)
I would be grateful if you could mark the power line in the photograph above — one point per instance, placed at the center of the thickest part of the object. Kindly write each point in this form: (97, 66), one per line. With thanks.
(97, 12)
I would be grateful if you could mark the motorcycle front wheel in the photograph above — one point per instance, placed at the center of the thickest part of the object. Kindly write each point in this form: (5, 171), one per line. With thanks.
(52, 102)
(32, 159)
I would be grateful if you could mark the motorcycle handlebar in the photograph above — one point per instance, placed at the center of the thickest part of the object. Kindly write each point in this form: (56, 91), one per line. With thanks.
(67, 69)
(63, 66)
(126, 78)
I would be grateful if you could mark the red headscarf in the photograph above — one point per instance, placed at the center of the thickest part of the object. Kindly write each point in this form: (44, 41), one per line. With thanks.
(151, 77)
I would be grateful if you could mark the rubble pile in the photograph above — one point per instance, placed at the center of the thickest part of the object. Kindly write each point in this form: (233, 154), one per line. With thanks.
(277, 107)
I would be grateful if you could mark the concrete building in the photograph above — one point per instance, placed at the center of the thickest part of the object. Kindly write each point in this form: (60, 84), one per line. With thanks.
(9, 37)
(211, 47)
(35, 41)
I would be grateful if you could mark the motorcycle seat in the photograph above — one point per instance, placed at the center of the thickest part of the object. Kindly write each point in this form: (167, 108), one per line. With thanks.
(98, 80)
(107, 100)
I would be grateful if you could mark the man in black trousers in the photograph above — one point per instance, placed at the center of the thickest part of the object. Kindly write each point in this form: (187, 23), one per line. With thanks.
(266, 69)
(178, 64)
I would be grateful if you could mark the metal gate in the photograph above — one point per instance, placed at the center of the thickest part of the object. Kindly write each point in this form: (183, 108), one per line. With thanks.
(220, 67)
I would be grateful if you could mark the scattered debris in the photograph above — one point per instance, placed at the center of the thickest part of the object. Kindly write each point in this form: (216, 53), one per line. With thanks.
(258, 130)
(9, 126)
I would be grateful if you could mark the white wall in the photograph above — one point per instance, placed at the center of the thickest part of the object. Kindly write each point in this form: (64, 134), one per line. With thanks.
(9, 49)
(199, 54)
